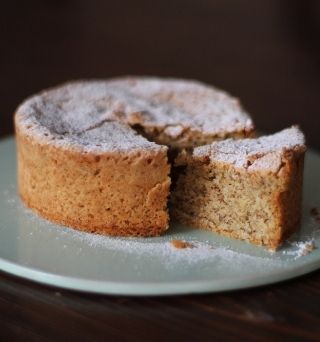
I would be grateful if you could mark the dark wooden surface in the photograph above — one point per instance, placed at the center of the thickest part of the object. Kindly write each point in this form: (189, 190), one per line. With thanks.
(284, 312)
(266, 52)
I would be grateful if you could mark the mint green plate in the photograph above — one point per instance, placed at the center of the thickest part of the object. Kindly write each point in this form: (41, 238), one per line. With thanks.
(33, 248)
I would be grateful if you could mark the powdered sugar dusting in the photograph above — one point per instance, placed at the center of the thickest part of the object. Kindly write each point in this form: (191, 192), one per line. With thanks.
(64, 114)
(112, 136)
(254, 154)
(305, 247)
(301, 248)
(202, 252)
(196, 105)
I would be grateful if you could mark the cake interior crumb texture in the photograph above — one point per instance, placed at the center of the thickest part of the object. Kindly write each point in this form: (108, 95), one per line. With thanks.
(247, 189)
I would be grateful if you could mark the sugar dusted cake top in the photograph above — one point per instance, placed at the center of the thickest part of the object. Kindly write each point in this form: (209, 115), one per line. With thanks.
(191, 104)
(107, 109)
(254, 154)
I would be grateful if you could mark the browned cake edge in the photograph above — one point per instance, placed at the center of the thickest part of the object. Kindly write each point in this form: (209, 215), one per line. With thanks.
(123, 194)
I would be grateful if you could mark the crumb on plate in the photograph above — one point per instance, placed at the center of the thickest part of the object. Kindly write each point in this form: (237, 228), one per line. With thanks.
(180, 244)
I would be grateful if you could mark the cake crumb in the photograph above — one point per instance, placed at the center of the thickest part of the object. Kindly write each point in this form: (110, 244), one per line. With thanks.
(180, 244)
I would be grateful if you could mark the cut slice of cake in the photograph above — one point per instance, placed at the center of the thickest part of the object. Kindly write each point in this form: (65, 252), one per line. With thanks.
(247, 189)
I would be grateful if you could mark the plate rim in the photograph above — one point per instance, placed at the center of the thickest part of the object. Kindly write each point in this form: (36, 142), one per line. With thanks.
(153, 288)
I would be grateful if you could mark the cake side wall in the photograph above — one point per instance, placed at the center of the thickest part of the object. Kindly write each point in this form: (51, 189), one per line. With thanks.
(117, 194)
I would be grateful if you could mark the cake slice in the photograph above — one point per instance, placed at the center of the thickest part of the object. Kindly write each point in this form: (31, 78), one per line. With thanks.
(247, 189)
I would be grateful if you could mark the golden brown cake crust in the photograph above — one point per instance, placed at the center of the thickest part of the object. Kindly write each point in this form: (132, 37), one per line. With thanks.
(117, 194)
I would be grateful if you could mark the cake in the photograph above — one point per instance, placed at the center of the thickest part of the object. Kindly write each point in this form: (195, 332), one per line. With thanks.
(248, 189)
(93, 155)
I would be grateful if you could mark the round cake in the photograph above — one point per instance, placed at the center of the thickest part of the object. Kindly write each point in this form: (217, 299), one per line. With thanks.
(93, 155)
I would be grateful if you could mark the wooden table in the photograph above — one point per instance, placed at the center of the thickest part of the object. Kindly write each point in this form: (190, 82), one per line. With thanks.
(266, 52)
(288, 312)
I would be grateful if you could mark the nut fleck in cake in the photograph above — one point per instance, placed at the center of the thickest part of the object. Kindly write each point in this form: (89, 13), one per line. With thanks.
(247, 189)
(93, 154)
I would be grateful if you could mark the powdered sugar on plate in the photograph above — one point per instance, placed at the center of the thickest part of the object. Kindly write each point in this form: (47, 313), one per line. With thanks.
(305, 247)
(202, 251)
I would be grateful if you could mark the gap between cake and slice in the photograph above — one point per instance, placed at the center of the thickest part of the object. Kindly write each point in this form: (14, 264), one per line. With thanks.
(93, 155)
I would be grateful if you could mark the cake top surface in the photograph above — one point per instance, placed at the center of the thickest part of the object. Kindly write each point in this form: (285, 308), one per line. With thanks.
(169, 105)
(254, 154)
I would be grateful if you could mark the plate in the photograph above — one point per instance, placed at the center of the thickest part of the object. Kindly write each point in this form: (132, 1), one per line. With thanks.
(34, 248)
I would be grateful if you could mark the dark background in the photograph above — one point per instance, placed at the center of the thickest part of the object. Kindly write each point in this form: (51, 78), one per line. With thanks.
(266, 52)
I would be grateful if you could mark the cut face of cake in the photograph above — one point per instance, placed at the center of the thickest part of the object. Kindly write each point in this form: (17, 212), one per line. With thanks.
(247, 189)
